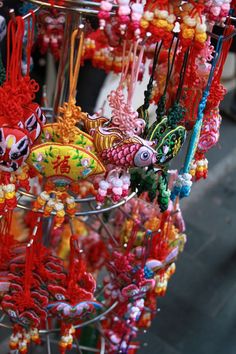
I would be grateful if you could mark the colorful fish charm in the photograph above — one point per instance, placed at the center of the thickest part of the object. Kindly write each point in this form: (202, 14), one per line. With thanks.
(129, 153)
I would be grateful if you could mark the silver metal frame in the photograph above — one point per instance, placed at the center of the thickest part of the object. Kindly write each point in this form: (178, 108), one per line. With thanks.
(82, 6)
(48, 331)
(79, 213)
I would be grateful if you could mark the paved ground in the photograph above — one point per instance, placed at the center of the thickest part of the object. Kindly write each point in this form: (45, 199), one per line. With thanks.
(198, 314)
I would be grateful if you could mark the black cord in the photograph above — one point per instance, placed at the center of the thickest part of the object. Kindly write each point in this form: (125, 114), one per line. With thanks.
(170, 66)
(182, 75)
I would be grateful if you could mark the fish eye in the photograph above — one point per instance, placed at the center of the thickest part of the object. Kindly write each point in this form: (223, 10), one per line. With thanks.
(145, 155)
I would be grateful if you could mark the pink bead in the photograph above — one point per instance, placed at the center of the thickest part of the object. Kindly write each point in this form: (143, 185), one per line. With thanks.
(102, 192)
(116, 198)
(117, 191)
(215, 10)
(106, 5)
(124, 11)
(225, 7)
(136, 17)
(103, 15)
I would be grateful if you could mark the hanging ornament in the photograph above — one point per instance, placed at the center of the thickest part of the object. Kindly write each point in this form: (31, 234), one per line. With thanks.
(50, 31)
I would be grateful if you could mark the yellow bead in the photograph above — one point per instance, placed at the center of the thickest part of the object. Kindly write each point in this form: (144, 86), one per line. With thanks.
(10, 195)
(144, 23)
(169, 27)
(162, 23)
(201, 37)
(188, 33)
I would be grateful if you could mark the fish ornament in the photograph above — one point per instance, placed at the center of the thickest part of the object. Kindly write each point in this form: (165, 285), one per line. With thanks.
(114, 146)
(132, 152)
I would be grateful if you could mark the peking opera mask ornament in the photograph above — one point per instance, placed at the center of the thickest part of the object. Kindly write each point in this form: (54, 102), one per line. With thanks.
(21, 119)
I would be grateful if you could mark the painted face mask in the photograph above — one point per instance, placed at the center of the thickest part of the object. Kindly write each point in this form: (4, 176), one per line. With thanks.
(34, 120)
(14, 148)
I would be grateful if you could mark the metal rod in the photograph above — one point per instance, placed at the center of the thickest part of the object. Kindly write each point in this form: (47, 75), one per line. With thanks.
(74, 6)
(105, 227)
(83, 324)
(102, 346)
(2, 317)
(30, 13)
(77, 200)
(87, 212)
(78, 346)
(48, 339)
(216, 36)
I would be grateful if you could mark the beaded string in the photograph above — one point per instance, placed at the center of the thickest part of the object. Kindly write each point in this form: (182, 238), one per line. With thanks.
(182, 75)
(197, 127)
(148, 92)
(161, 109)
(175, 113)
(143, 110)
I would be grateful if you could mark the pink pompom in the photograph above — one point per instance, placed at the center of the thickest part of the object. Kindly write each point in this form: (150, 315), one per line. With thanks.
(99, 198)
(106, 5)
(215, 10)
(116, 197)
(124, 11)
(103, 15)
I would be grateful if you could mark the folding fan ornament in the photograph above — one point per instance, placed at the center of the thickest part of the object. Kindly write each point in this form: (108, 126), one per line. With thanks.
(65, 151)
(65, 154)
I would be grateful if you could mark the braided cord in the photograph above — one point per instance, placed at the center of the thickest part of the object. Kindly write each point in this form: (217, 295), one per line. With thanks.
(198, 125)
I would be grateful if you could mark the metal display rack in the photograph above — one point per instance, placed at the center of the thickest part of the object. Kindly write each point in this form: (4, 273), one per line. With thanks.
(75, 11)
